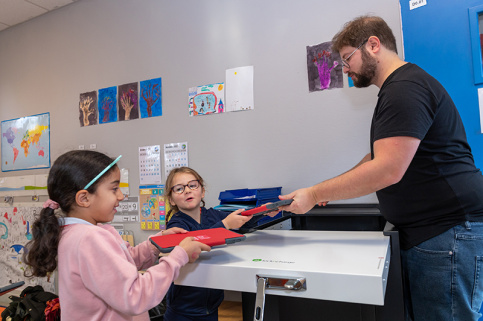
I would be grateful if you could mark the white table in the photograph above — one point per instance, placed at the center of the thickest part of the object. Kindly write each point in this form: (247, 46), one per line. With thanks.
(343, 266)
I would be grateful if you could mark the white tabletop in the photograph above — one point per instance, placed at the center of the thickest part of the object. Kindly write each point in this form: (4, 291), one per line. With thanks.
(338, 265)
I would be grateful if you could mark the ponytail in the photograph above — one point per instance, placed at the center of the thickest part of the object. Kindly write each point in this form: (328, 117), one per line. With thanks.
(41, 252)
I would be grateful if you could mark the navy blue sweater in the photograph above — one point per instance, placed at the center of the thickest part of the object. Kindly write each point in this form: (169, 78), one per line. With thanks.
(194, 301)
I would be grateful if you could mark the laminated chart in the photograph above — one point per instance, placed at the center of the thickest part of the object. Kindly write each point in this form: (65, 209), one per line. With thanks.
(152, 208)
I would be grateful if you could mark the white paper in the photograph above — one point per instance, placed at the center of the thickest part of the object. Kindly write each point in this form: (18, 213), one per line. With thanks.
(413, 4)
(239, 89)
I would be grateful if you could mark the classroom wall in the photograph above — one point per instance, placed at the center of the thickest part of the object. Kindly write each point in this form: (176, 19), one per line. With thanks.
(292, 138)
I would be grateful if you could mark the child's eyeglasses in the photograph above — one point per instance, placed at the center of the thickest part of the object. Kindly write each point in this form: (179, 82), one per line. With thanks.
(192, 185)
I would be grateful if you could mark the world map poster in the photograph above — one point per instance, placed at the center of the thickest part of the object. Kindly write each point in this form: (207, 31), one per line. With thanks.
(26, 143)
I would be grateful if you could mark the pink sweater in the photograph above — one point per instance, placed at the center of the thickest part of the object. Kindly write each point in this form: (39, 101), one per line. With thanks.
(98, 274)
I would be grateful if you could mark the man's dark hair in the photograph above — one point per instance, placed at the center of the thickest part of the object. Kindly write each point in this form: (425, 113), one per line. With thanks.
(355, 32)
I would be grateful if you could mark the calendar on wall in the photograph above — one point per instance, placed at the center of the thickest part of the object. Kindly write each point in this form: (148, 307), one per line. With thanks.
(150, 165)
(175, 155)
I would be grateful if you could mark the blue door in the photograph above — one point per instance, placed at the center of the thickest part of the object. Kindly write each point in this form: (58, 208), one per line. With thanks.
(437, 38)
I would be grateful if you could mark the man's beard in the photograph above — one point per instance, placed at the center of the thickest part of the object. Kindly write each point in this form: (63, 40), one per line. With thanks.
(368, 71)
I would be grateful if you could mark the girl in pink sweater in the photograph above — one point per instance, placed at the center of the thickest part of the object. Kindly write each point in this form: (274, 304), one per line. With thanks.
(98, 271)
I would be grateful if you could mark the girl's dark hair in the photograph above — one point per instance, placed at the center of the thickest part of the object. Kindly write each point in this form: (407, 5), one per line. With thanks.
(169, 185)
(355, 32)
(70, 173)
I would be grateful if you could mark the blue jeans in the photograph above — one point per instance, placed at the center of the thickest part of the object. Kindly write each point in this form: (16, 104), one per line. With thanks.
(442, 276)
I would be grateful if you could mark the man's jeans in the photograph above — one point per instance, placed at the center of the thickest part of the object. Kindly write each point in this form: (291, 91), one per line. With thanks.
(443, 276)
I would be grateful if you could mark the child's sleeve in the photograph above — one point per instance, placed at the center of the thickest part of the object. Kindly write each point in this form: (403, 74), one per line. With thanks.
(144, 254)
(107, 272)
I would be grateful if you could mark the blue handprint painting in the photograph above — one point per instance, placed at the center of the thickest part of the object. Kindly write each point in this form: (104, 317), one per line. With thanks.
(323, 67)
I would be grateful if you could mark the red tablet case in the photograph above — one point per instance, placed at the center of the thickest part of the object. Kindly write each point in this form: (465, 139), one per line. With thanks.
(266, 208)
(211, 237)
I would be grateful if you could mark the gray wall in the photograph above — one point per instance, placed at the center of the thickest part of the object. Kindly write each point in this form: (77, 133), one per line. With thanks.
(292, 138)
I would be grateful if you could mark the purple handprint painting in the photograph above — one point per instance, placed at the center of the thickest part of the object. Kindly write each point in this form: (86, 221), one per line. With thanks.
(323, 67)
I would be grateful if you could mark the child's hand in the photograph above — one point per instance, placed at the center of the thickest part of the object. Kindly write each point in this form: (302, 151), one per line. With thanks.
(174, 230)
(193, 248)
(234, 220)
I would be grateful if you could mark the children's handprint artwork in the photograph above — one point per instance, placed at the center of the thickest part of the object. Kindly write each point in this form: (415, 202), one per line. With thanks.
(324, 67)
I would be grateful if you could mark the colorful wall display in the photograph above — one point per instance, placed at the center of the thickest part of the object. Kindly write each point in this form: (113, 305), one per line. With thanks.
(26, 143)
(125, 102)
(152, 207)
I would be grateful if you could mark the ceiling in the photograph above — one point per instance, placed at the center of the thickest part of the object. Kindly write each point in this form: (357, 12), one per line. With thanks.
(13, 12)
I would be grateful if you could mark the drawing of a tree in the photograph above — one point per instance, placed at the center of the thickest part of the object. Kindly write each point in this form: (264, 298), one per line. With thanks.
(150, 93)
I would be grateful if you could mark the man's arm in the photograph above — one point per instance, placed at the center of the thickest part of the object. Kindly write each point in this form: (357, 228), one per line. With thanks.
(392, 157)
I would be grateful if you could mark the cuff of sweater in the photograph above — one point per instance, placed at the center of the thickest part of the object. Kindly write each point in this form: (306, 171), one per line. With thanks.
(180, 255)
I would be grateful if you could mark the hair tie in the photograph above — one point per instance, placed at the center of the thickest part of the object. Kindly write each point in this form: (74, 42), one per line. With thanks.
(52, 204)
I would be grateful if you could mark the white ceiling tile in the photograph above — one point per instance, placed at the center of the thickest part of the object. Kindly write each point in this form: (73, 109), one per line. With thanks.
(17, 11)
(51, 4)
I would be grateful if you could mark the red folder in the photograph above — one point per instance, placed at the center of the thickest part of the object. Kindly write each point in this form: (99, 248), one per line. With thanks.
(211, 237)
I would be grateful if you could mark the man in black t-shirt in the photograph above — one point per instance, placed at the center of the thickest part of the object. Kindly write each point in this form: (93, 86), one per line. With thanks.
(423, 172)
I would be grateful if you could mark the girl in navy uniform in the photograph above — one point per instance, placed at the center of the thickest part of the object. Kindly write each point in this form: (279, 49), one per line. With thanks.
(185, 191)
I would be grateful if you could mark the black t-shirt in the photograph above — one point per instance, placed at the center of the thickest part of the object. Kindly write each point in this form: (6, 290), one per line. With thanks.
(442, 187)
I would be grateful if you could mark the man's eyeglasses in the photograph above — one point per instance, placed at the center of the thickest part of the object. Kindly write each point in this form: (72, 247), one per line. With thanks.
(192, 185)
(345, 61)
